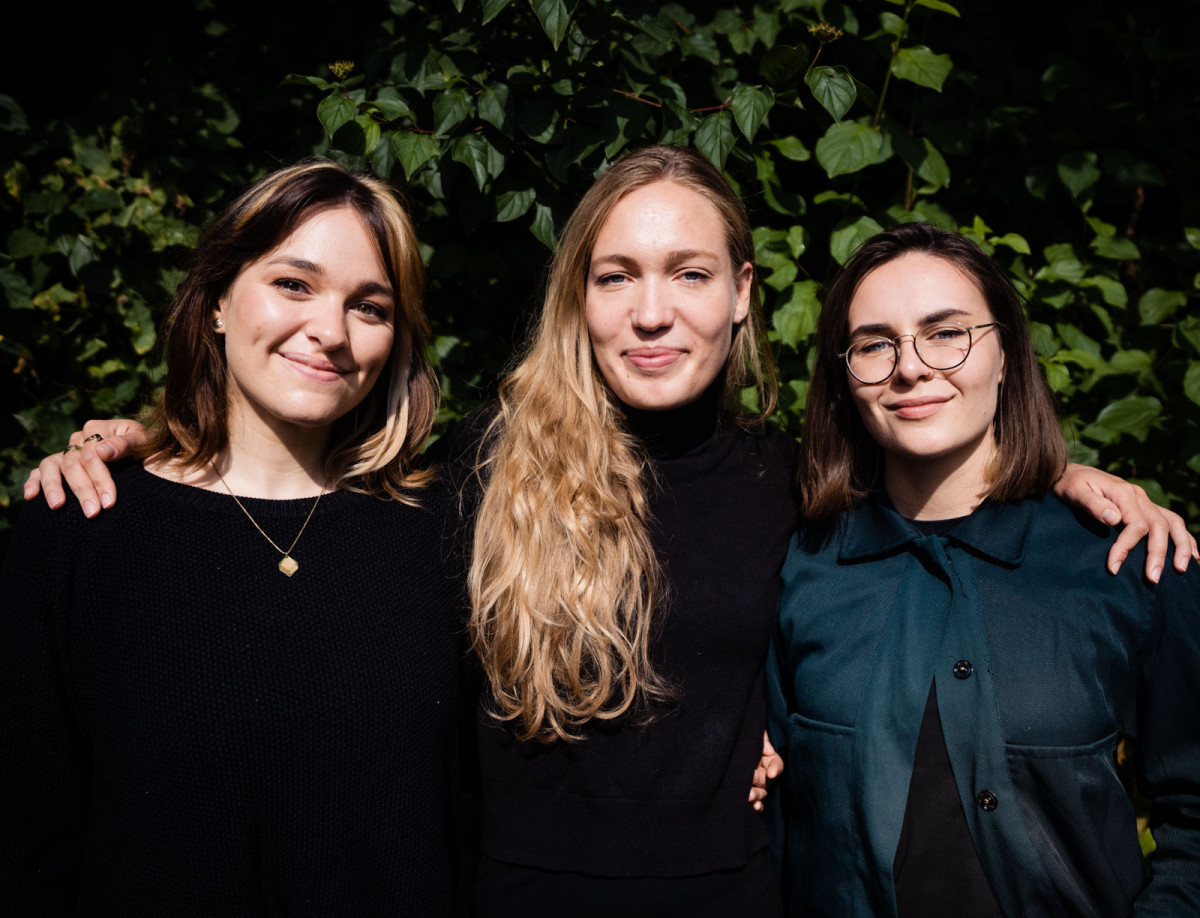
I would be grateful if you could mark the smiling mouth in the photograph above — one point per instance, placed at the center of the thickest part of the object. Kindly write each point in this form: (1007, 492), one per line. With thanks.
(314, 367)
(916, 408)
(653, 358)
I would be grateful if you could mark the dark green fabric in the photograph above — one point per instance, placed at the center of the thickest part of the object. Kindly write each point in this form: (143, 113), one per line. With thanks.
(1065, 658)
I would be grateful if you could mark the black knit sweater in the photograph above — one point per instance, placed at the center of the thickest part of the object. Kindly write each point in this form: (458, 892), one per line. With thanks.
(186, 731)
(669, 799)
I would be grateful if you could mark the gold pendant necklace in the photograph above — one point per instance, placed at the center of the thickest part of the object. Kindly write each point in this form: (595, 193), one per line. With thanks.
(287, 564)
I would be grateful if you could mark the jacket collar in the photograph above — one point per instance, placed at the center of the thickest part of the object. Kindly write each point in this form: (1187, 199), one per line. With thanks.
(998, 531)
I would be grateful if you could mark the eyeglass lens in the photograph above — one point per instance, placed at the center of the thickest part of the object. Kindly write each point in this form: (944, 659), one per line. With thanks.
(943, 346)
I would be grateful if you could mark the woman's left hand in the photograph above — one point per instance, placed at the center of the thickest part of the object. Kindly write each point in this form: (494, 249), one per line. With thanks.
(770, 767)
(1113, 500)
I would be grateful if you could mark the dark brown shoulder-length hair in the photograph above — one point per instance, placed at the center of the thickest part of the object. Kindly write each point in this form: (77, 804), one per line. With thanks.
(373, 447)
(840, 463)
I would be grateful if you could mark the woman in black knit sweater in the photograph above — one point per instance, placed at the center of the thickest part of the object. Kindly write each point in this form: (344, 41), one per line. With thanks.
(234, 694)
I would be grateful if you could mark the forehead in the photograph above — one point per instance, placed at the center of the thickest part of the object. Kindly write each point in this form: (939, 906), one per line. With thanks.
(913, 288)
(664, 214)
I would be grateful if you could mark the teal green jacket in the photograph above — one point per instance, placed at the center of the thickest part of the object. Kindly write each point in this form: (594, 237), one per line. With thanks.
(1042, 661)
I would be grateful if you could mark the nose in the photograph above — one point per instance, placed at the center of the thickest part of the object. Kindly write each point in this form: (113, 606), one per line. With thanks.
(653, 309)
(909, 367)
(327, 323)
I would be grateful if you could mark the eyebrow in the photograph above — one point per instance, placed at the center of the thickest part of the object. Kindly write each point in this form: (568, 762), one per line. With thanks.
(881, 328)
(674, 259)
(366, 288)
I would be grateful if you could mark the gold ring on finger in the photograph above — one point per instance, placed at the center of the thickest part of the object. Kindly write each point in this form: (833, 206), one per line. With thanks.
(72, 448)
(94, 438)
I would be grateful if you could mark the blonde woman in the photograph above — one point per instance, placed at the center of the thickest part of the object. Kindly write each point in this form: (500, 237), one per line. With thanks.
(627, 545)
(234, 693)
(629, 528)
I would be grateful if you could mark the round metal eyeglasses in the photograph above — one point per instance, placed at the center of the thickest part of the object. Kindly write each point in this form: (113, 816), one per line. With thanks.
(941, 346)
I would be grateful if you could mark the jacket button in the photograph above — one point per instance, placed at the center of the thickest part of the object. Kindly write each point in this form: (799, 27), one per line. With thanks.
(963, 669)
(987, 800)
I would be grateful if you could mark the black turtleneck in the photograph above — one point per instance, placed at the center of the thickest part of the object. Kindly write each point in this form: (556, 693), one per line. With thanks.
(669, 799)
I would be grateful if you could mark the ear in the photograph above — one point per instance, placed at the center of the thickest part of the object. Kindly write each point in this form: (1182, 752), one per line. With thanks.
(1003, 357)
(742, 285)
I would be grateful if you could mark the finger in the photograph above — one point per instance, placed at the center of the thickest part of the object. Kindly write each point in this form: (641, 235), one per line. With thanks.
(49, 472)
(33, 485)
(95, 467)
(757, 794)
(1183, 541)
(76, 477)
(774, 768)
(1126, 539)
(1100, 507)
(1157, 544)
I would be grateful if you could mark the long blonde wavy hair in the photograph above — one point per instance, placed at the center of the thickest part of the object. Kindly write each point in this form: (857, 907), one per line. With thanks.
(564, 581)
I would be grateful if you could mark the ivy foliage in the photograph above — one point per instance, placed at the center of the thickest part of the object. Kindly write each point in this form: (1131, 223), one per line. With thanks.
(1061, 144)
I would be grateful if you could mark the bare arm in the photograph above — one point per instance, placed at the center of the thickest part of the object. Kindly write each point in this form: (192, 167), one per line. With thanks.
(81, 466)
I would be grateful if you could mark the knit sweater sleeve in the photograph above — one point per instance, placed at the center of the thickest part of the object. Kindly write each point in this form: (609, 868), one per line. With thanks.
(44, 781)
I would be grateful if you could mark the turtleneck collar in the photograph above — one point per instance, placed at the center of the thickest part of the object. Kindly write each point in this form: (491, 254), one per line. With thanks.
(675, 431)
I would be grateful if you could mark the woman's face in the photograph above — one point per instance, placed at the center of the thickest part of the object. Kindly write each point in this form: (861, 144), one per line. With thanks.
(308, 327)
(663, 297)
(920, 414)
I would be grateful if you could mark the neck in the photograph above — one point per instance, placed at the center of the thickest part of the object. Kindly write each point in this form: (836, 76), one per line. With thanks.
(260, 461)
(673, 431)
(941, 488)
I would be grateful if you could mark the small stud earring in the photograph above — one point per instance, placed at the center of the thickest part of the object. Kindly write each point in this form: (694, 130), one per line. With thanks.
(218, 324)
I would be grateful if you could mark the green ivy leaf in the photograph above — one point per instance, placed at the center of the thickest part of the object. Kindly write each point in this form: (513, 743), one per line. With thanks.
(833, 88)
(449, 110)
(1192, 235)
(750, 107)
(513, 204)
(538, 118)
(714, 137)
(554, 17)
(1191, 381)
(478, 155)
(492, 8)
(334, 111)
(938, 5)
(796, 319)
(920, 65)
(1117, 248)
(1157, 305)
(848, 147)
(783, 66)
(1131, 415)
(844, 240)
(370, 130)
(923, 158)
(493, 108)
(792, 148)
(412, 150)
(543, 226)
(1078, 171)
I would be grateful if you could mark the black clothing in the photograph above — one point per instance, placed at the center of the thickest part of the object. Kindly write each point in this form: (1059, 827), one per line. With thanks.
(189, 732)
(668, 799)
(936, 870)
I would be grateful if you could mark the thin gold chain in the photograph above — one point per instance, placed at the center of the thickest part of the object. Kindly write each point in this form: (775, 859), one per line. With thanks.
(259, 528)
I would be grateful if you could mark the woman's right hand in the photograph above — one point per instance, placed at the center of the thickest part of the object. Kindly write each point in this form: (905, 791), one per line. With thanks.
(83, 469)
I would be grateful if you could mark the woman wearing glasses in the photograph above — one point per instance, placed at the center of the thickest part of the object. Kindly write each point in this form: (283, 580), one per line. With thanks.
(952, 702)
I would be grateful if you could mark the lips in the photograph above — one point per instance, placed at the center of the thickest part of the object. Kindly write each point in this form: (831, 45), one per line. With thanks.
(314, 367)
(649, 359)
(914, 409)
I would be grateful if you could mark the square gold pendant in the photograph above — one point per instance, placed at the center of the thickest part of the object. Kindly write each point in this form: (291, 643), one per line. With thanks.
(288, 566)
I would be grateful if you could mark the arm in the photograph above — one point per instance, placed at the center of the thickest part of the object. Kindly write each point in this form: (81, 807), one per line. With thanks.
(1168, 750)
(43, 767)
(1113, 500)
(84, 469)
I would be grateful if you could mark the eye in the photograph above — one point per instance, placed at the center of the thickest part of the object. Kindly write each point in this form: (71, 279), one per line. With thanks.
(944, 334)
(695, 276)
(290, 285)
(610, 280)
(370, 310)
(871, 347)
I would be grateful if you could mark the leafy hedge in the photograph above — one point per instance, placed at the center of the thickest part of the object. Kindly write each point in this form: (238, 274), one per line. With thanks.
(1063, 145)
